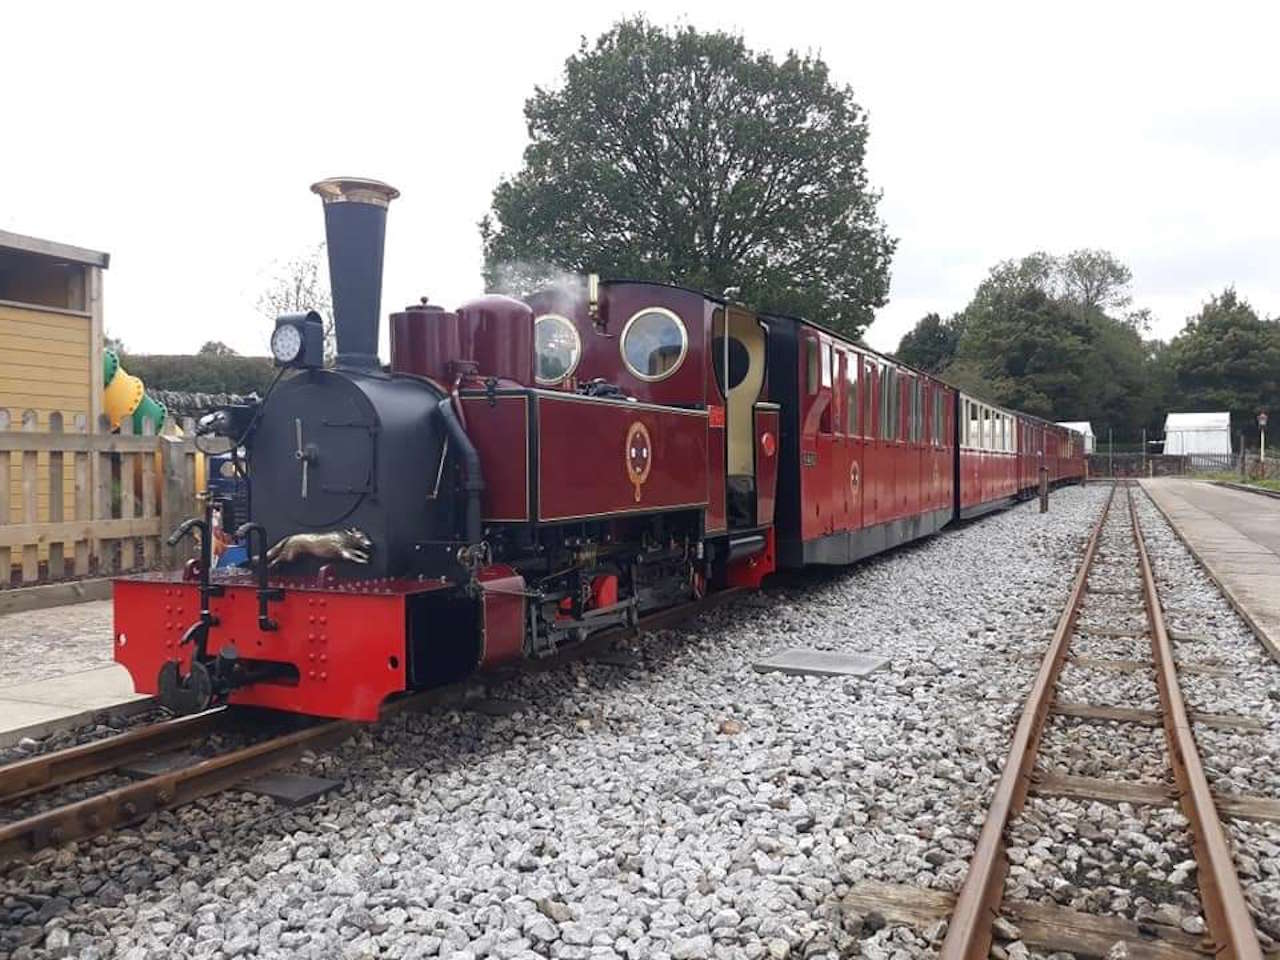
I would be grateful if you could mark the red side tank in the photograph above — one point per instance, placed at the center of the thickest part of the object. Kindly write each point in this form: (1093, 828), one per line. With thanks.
(424, 340)
(497, 333)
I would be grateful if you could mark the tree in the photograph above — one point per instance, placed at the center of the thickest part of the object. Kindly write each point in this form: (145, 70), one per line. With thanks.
(1029, 348)
(216, 348)
(684, 157)
(1227, 358)
(931, 344)
(298, 285)
(1095, 280)
(1090, 281)
(1037, 337)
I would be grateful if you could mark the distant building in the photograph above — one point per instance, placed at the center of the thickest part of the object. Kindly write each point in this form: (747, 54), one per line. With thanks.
(1083, 427)
(1197, 433)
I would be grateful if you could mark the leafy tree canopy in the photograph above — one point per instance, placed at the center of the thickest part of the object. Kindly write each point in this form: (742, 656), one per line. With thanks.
(1039, 336)
(216, 348)
(1228, 358)
(932, 344)
(1056, 336)
(681, 156)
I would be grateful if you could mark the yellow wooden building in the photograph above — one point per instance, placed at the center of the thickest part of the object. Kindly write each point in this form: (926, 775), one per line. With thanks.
(50, 344)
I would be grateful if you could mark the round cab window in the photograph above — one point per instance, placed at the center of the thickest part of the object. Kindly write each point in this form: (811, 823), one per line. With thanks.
(558, 348)
(654, 343)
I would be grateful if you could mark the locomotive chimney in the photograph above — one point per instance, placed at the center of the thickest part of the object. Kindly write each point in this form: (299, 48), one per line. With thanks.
(355, 225)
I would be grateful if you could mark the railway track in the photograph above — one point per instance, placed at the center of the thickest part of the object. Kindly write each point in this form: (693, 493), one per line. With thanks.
(57, 823)
(980, 906)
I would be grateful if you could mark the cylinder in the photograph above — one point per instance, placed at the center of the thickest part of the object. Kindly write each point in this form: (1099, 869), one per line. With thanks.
(355, 225)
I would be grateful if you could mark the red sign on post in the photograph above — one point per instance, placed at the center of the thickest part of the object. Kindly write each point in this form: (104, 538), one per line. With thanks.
(1262, 419)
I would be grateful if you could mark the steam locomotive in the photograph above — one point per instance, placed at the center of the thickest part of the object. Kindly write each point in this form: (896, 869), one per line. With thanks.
(524, 474)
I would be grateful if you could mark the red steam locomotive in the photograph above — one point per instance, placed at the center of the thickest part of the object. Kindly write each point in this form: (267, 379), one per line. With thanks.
(526, 473)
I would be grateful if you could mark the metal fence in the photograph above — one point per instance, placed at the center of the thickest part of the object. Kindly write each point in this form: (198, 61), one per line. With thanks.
(1246, 466)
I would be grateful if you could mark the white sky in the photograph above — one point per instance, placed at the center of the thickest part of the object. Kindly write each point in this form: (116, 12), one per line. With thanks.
(182, 139)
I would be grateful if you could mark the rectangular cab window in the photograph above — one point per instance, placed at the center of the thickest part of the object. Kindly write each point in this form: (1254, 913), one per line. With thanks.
(851, 394)
(868, 400)
(812, 376)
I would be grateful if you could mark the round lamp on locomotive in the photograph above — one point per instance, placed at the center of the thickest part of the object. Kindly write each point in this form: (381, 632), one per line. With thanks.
(298, 340)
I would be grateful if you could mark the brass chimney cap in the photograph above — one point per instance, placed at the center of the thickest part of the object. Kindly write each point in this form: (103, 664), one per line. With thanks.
(355, 190)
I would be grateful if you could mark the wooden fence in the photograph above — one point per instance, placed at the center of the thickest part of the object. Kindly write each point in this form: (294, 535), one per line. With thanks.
(83, 503)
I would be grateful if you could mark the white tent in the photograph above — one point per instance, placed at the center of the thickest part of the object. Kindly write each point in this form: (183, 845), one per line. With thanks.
(1081, 426)
(1197, 433)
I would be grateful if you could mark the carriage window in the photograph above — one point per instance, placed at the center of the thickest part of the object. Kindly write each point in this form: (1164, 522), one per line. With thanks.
(910, 384)
(868, 399)
(812, 376)
(888, 387)
(920, 411)
(825, 423)
(839, 364)
(851, 395)
(654, 343)
(895, 405)
(557, 348)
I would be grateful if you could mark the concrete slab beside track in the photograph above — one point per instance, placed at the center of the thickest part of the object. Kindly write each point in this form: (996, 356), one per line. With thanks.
(1236, 537)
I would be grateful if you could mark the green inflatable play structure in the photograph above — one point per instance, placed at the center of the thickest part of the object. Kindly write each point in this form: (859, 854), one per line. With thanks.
(123, 396)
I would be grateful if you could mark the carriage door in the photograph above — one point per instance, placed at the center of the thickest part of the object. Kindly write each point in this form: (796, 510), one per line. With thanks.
(739, 361)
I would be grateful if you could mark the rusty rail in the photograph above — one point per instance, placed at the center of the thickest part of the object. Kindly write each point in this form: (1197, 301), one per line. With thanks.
(134, 802)
(969, 932)
(1223, 899)
(45, 771)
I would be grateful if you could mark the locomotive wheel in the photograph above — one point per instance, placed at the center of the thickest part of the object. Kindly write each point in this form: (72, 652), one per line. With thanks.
(185, 695)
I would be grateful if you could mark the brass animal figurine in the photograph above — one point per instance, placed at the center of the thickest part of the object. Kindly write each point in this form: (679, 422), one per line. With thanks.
(349, 544)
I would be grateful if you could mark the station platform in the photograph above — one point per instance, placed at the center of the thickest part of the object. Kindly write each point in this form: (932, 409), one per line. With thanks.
(38, 708)
(1236, 537)
(56, 671)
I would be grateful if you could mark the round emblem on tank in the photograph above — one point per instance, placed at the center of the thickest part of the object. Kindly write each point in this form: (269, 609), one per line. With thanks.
(638, 456)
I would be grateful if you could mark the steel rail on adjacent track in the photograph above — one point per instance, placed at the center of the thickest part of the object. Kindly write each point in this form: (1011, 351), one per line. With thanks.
(49, 770)
(135, 801)
(969, 932)
(1226, 911)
